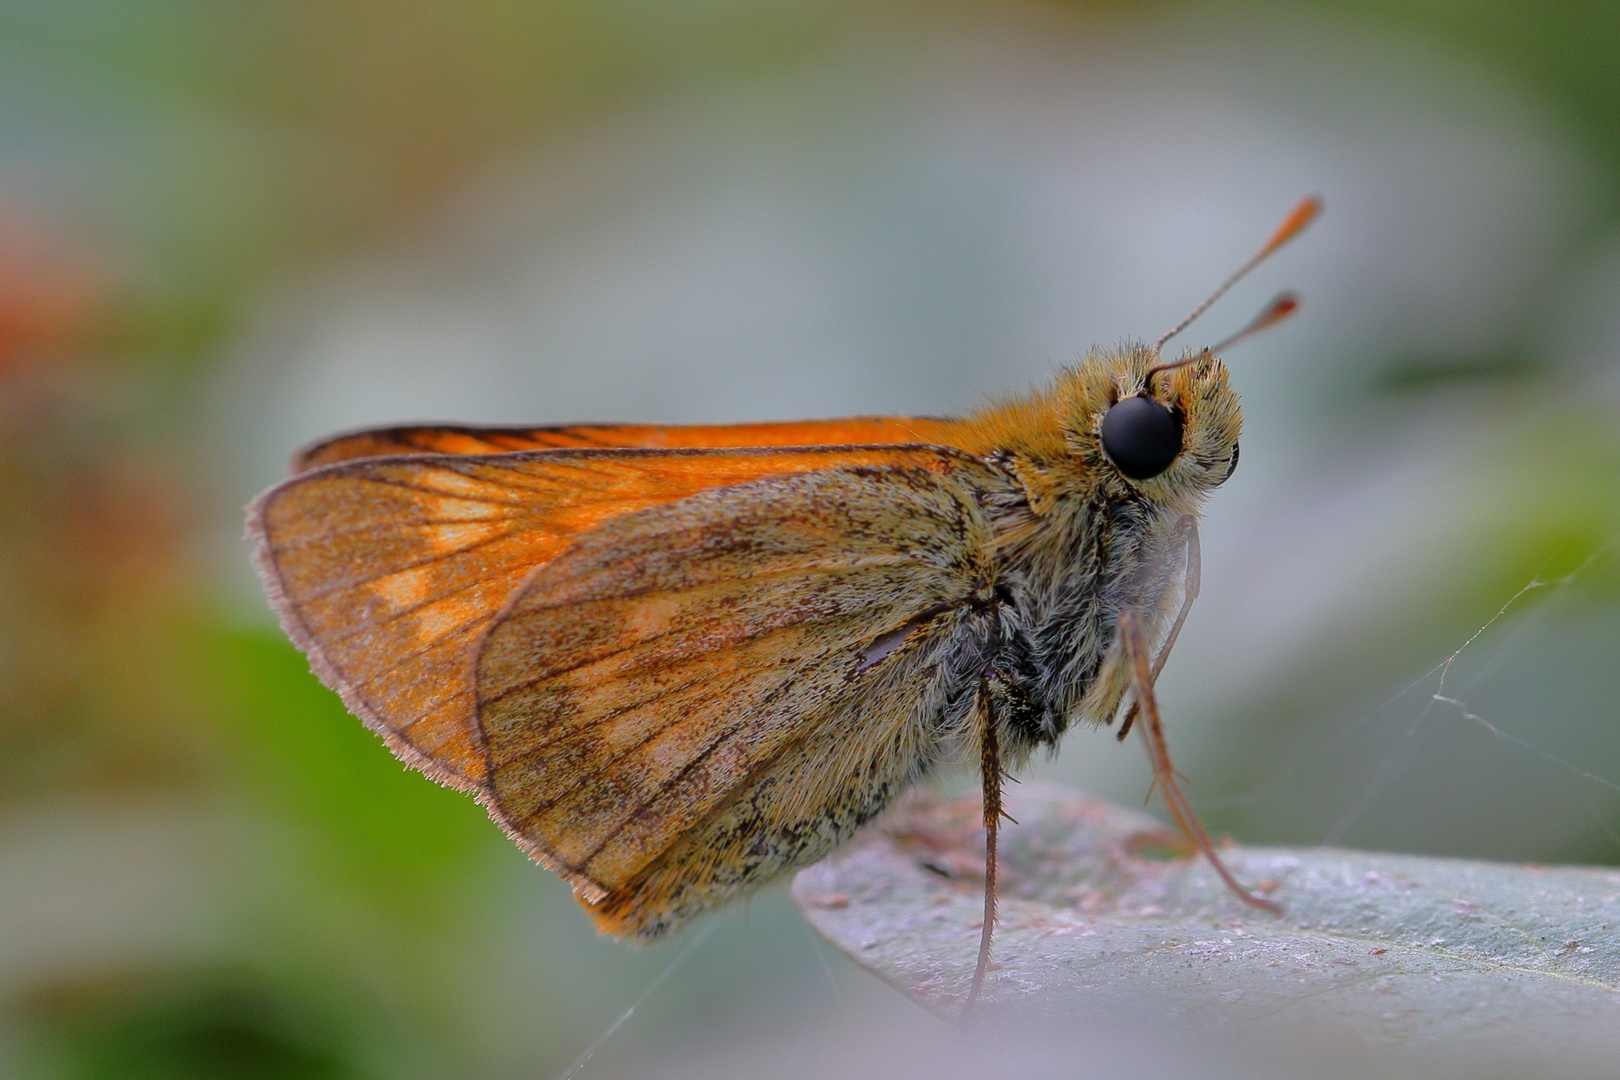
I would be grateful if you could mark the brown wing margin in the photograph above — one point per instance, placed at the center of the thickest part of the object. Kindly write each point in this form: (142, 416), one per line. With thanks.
(458, 439)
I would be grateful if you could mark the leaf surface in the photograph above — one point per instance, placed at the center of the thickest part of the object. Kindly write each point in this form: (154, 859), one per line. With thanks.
(1380, 950)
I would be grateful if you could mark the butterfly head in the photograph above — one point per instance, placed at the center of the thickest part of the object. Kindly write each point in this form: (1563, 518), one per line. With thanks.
(1130, 423)
(1168, 429)
(1171, 426)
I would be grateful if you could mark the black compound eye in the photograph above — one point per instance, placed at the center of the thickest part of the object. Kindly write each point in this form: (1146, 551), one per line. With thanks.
(1141, 436)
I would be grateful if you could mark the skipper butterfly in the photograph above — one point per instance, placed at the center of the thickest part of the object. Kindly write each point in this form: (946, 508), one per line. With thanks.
(675, 662)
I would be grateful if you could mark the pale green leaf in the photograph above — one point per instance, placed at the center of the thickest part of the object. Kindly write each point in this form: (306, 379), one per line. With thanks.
(1379, 950)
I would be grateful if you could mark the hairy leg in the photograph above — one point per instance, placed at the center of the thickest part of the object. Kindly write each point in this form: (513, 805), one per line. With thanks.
(1187, 535)
(1133, 639)
(990, 773)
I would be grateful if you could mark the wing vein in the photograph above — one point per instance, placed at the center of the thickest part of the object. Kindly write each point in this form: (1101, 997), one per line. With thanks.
(355, 583)
(608, 766)
(664, 787)
(440, 493)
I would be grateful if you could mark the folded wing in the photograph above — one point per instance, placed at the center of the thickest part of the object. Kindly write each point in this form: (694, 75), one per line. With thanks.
(697, 696)
(388, 571)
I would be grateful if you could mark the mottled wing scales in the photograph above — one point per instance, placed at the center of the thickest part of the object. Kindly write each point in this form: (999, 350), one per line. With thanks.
(676, 708)
(388, 571)
(452, 439)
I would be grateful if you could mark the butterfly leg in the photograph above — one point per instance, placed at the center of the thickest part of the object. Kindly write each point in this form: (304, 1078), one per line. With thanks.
(1186, 537)
(1134, 640)
(990, 772)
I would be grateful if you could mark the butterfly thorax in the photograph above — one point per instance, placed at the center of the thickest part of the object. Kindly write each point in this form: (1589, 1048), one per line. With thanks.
(1075, 540)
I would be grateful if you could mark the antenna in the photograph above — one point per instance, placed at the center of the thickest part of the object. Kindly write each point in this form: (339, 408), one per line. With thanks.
(1282, 305)
(1303, 215)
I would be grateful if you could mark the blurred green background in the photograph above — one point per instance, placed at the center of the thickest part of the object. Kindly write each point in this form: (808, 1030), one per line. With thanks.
(226, 229)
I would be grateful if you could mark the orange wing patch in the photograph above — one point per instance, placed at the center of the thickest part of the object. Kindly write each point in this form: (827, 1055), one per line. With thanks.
(685, 702)
(388, 571)
(447, 439)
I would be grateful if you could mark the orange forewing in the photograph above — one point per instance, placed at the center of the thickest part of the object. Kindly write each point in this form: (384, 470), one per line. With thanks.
(454, 439)
(388, 571)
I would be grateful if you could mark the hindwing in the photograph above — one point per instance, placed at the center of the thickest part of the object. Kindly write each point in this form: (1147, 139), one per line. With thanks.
(697, 696)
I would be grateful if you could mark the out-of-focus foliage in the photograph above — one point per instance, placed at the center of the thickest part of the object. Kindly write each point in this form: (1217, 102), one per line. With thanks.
(208, 869)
